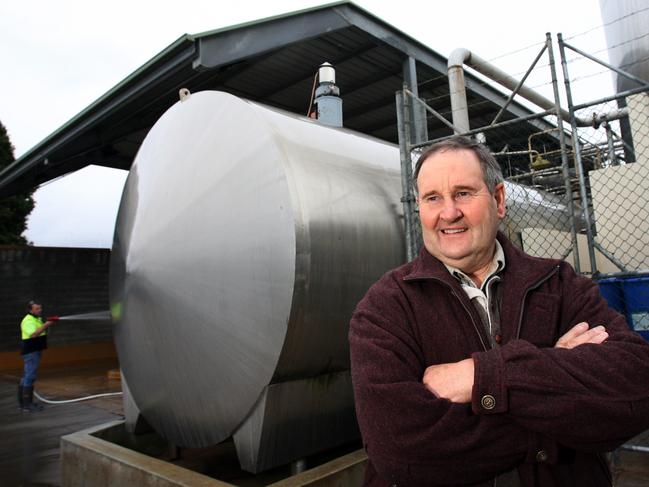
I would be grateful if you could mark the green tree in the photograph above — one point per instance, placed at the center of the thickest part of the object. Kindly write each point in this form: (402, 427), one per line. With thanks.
(14, 210)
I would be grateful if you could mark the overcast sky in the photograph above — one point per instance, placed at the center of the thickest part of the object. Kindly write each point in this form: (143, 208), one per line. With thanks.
(60, 56)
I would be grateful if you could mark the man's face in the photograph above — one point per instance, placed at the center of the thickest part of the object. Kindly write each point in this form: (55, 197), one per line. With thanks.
(36, 309)
(459, 216)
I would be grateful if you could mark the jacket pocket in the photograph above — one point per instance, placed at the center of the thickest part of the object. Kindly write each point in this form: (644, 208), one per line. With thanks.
(540, 319)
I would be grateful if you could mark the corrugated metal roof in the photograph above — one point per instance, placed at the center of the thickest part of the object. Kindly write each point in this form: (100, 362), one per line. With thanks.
(272, 61)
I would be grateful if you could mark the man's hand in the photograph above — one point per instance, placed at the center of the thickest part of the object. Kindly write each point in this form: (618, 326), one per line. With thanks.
(454, 381)
(451, 381)
(50, 321)
(580, 334)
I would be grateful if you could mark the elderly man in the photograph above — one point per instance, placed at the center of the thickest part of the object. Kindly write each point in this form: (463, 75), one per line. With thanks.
(476, 364)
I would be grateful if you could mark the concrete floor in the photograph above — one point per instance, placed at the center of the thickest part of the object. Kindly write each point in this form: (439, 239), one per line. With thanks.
(29, 442)
(631, 469)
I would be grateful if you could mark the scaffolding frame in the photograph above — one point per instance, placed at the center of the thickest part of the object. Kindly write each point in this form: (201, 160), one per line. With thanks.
(570, 148)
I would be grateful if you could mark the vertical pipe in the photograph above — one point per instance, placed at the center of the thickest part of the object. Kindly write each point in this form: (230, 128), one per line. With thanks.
(419, 133)
(578, 163)
(612, 159)
(564, 154)
(459, 107)
(173, 451)
(407, 198)
(298, 466)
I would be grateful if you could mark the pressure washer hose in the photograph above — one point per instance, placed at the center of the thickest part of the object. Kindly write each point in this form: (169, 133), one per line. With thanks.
(95, 316)
(78, 399)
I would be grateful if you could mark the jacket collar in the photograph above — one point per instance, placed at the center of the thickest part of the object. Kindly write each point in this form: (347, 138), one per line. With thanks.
(520, 266)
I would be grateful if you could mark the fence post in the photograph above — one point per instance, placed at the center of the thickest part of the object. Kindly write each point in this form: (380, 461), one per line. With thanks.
(578, 162)
(612, 159)
(407, 198)
(564, 155)
(419, 131)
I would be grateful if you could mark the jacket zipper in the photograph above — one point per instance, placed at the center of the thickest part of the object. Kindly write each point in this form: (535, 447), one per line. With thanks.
(527, 291)
(520, 318)
(475, 326)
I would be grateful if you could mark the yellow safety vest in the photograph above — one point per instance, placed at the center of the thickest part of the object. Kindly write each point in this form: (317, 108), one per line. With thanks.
(30, 324)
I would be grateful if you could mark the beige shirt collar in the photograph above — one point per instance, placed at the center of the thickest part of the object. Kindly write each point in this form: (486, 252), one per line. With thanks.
(497, 264)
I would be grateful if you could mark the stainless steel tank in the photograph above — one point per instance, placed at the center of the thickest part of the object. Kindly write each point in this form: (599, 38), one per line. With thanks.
(625, 25)
(245, 238)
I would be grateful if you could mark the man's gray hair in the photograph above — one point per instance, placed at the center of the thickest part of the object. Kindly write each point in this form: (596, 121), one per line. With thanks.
(491, 172)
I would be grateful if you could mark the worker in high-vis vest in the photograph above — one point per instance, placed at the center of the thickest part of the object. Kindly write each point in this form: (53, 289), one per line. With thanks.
(34, 341)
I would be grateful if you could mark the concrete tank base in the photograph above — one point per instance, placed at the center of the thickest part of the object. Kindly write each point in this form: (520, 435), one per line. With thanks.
(108, 455)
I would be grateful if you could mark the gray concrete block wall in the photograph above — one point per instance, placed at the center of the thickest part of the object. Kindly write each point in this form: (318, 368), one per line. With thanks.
(66, 280)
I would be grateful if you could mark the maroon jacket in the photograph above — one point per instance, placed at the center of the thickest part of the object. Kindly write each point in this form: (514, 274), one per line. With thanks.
(552, 410)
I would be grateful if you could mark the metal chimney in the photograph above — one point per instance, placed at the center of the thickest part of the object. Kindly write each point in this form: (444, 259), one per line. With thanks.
(327, 97)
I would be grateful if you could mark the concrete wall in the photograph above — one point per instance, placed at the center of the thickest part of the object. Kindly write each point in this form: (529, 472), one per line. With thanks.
(105, 455)
(535, 242)
(621, 196)
(66, 280)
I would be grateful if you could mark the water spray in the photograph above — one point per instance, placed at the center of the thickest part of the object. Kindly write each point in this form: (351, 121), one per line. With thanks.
(94, 316)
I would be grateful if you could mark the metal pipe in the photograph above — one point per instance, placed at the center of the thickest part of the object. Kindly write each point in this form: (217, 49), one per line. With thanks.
(499, 76)
(457, 89)
(417, 114)
(533, 174)
(329, 105)
(612, 159)
(611, 257)
(515, 153)
(621, 144)
(637, 273)
(432, 111)
(565, 168)
(619, 71)
(520, 85)
(298, 466)
(532, 135)
(532, 116)
(462, 56)
(578, 162)
(407, 198)
(599, 118)
(617, 96)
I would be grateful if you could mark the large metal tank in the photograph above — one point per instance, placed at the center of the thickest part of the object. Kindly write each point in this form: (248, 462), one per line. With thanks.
(245, 238)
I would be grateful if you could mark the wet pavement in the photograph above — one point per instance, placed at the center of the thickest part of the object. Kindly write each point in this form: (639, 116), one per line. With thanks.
(29, 442)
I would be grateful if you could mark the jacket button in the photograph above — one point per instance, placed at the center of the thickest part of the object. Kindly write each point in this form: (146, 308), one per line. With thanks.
(488, 402)
(541, 456)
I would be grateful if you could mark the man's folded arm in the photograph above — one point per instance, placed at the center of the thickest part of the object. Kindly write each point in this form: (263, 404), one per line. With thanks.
(410, 434)
(590, 397)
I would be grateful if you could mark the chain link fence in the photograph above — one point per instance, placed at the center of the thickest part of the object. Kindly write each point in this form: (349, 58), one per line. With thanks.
(577, 180)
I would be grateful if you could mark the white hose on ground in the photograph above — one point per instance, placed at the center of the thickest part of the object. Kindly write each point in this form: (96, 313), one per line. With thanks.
(78, 399)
